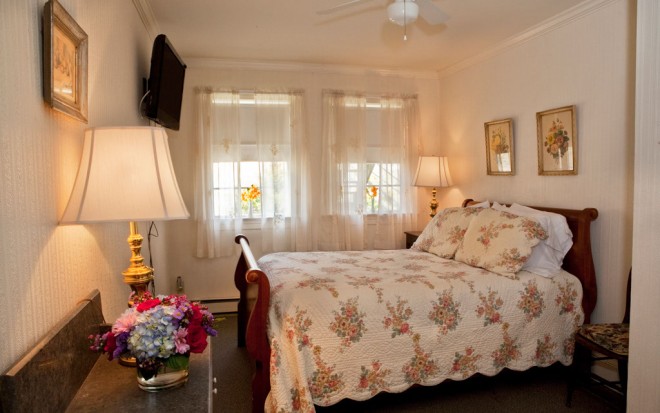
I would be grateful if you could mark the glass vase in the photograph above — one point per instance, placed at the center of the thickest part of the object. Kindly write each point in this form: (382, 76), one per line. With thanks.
(165, 378)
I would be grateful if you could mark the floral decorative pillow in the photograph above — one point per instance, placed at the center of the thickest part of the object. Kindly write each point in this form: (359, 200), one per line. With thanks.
(443, 235)
(499, 242)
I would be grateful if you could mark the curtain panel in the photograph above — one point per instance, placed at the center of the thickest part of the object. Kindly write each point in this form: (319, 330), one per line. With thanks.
(362, 134)
(260, 141)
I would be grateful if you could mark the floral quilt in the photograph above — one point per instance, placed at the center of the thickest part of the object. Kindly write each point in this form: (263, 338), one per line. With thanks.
(352, 324)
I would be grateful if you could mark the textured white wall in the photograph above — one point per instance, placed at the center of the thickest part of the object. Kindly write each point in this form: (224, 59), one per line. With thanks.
(587, 62)
(644, 368)
(213, 278)
(45, 269)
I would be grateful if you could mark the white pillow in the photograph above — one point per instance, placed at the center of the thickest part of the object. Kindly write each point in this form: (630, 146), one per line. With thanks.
(560, 235)
(499, 207)
(547, 257)
(484, 204)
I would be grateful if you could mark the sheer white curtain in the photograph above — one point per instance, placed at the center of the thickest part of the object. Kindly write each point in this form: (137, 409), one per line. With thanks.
(245, 139)
(369, 152)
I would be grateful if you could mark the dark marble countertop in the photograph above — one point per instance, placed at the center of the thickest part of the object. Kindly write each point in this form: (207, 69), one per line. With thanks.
(111, 387)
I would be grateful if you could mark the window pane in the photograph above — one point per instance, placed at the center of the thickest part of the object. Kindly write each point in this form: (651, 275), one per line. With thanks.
(264, 189)
(382, 188)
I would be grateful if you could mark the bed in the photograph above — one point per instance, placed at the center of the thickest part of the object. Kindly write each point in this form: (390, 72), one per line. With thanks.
(324, 326)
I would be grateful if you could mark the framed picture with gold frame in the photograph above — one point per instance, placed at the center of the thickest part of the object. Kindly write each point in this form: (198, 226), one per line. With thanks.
(64, 62)
(499, 147)
(557, 141)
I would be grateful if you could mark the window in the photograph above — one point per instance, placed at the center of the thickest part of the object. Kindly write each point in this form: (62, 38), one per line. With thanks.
(251, 170)
(369, 147)
(372, 176)
(249, 189)
(382, 186)
(253, 182)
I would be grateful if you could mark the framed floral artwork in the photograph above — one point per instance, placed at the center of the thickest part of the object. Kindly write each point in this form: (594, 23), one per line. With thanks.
(499, 147)
(557, 141)
(64, 62)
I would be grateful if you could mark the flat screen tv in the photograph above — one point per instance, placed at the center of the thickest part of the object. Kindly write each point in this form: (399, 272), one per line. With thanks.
(162, 101)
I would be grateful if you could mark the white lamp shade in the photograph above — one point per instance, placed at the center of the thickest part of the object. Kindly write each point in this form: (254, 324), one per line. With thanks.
(125, 174)
(402, 12)
(433, 171)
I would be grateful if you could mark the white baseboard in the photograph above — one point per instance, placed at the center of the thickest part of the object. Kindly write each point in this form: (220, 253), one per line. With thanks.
(221, 306)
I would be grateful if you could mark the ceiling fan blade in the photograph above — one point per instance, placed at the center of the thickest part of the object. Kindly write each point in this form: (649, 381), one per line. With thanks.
(341, 6)
(431, 13)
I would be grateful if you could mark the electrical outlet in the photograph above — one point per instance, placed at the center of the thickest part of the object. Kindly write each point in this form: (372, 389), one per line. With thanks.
(179, 284)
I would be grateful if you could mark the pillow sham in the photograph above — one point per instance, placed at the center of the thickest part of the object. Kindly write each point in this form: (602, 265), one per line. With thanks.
(443, 235)
(499, 242)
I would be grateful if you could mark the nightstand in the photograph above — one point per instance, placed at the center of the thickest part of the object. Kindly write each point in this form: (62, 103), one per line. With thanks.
(411, 237)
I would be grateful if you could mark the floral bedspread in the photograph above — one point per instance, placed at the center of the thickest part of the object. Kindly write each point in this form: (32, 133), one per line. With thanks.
(352, 324)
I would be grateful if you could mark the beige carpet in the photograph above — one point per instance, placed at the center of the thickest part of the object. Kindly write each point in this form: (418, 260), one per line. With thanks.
(536, 390)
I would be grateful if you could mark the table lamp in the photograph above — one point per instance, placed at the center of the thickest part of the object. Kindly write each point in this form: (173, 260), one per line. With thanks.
(433, 171)
(126, 174)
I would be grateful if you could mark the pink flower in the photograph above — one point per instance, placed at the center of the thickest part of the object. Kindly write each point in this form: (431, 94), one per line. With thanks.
(364, 383)
(404, 328)
(124, 323)
(180, 341)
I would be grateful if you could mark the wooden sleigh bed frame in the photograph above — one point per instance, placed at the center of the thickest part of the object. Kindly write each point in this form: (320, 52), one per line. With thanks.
(254, 288)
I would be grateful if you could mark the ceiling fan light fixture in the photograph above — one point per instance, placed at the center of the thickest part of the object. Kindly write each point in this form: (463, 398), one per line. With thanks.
(402, 12)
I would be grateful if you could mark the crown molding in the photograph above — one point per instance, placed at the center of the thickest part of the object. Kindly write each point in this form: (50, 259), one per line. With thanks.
(574, 13)
(146, 13)
(218, 63)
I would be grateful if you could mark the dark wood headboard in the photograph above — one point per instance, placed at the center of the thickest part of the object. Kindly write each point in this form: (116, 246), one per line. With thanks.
(579, 260)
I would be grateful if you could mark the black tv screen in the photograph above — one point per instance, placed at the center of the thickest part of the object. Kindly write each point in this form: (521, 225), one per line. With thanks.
(165, 85)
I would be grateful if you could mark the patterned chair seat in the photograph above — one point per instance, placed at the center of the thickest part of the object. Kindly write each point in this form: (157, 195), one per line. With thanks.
(612, 337)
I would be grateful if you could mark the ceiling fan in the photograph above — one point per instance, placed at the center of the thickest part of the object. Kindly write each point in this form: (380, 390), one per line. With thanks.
(402, 12)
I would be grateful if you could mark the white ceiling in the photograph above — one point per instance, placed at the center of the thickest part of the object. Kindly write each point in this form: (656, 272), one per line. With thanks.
(291, 31)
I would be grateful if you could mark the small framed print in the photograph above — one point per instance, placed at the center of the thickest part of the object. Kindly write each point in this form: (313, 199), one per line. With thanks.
(64, 62)
(557, 141)
(499, 147)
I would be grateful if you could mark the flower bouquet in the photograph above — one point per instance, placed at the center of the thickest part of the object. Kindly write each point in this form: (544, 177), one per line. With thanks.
(158, 332)
(250, 194)
(556, 141)
(250, 198)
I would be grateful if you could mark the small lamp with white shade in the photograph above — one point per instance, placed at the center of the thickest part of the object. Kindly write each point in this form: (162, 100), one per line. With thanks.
(126, 174)
(433, 172)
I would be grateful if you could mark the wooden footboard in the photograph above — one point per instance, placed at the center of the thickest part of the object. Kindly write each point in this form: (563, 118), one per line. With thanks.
(254, 288)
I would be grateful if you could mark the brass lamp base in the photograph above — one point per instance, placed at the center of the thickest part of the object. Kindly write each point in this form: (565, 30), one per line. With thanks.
(128, 361)
(137, 275)
(434, 203)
